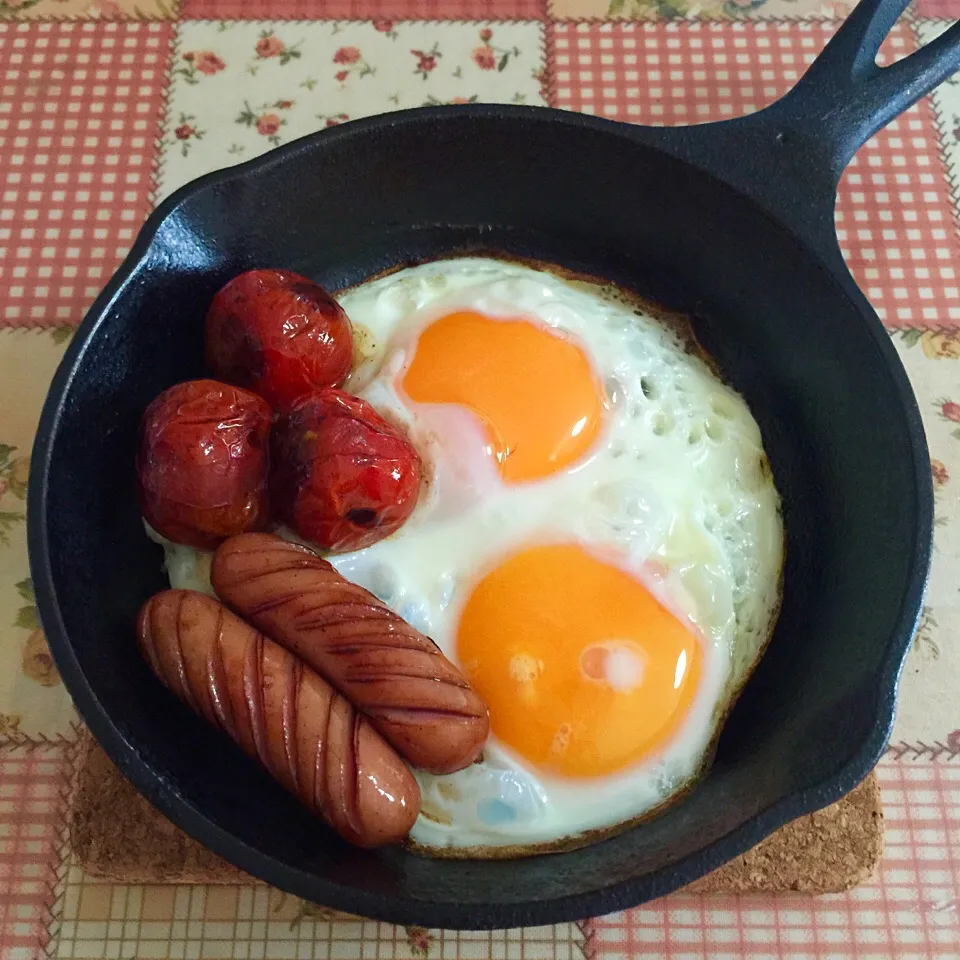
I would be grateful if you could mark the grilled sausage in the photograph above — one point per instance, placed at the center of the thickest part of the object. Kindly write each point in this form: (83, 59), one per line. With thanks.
(399, 678)
(281, 713)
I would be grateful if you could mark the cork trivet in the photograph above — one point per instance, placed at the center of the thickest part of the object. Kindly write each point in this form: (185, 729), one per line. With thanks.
(829, 851)
(117, 835)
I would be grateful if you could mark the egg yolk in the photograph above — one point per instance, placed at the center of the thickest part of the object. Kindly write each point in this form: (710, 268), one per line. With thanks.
(535, 392)
(584, 671)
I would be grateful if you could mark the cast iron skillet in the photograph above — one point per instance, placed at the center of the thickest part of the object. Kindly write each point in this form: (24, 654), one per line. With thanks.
(731, 223)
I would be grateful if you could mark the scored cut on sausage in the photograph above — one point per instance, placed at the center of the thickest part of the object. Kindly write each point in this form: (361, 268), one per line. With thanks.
(414, 696)
(280, 712)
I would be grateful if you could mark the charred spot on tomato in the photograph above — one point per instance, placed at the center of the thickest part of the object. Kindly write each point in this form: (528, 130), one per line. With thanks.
(239, 353)
(362, 517)
(313, 293)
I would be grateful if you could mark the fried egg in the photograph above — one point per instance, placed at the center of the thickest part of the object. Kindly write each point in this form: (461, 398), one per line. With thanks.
(599, 545)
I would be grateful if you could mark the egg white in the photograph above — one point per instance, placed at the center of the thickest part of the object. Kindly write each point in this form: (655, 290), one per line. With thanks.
(678, 476)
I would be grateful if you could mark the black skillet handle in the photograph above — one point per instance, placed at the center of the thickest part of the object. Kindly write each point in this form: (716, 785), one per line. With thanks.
(790, 156)
(844, 98)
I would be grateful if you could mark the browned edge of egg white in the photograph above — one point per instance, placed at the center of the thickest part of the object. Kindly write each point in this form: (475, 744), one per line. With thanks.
(515, 851)
(679, 323)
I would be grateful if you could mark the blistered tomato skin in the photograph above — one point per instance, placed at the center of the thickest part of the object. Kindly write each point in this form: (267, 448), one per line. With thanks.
(342, 476)
(203, 463)
(278, 334)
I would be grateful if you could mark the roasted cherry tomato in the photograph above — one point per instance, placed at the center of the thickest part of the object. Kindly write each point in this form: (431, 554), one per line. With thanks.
(278, 334)
(203, 462)
(342, 476)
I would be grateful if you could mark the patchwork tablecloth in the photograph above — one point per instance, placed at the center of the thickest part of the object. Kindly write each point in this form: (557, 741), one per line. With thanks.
(108, 105)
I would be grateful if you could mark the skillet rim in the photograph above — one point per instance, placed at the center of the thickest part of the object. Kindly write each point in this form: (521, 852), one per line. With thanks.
(441, 913)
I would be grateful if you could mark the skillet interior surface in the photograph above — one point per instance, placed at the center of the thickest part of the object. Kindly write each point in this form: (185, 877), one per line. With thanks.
(839, 425)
